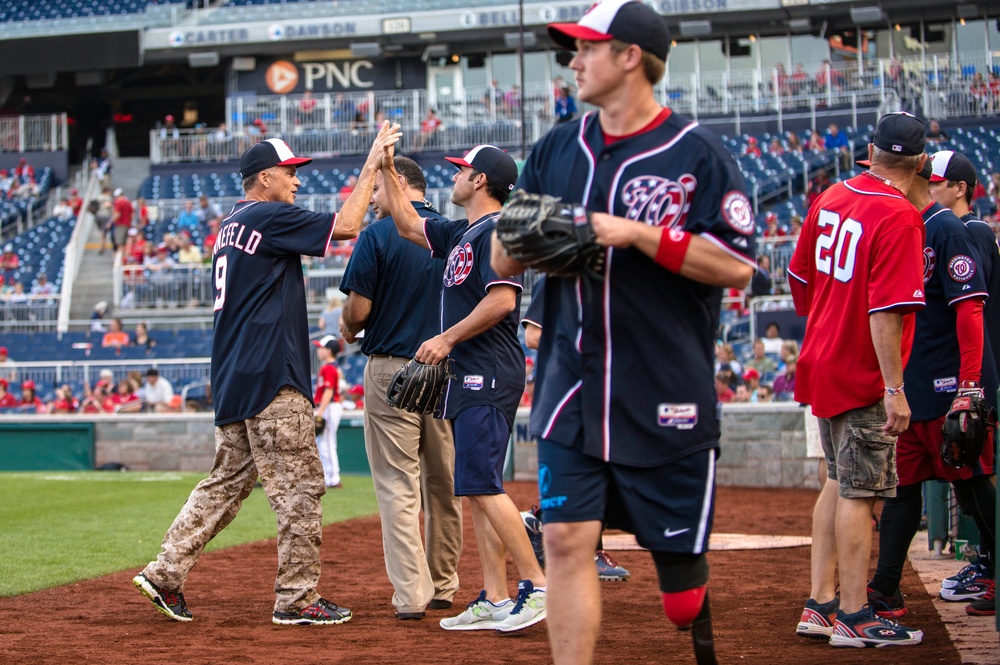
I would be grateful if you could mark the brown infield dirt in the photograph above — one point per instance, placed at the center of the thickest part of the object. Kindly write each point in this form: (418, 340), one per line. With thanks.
(756, 597)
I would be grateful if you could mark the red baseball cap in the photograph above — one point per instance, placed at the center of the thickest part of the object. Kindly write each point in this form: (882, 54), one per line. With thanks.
(28, 385)
(3, 350)
(751, 373)
(264, 155)
(625, 20)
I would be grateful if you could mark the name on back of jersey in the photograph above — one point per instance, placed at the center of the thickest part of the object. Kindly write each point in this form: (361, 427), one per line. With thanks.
(681, 416)
(231, 235)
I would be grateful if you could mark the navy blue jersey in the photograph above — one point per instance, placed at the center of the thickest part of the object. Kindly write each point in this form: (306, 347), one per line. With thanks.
(533, 314)
(951, 274)
(261, 339)
(989, 261)
(403, 282)
(489, 368)
(625, 362)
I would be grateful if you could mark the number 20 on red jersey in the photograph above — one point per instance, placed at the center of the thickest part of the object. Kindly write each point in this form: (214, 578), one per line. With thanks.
(837, 245)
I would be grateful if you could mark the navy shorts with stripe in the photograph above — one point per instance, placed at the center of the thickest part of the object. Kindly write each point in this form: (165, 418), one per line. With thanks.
(482, 434)
(668, 508)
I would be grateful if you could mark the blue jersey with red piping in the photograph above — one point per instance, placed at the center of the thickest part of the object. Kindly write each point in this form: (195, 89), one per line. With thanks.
(488, 368)
(261, 339)
(625, 363)
(951, 274)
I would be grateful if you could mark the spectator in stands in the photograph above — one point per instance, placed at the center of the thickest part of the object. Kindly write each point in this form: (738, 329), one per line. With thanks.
(935, 134)
(751, 378)
(760, 360)
(158, 393)
(980, 92)
(97, 316)
(29, 398)
(218, 142)
(24, 171)
(123, 399)
(722, 390)
(188, 254)
(7, 368)
(799, 84)
(17, 301)
(172, 242)
(794, 143)
(307, 106)
(102, 167)
(348, 187)
(169, 130)
(565, 108)
(789, 351)
(138, 385)
(818, 185)
(725, 358)
(29, 190)
(209, 243)
(512, 101)
(837, 140)
(828, 74)
(63, 211)
(7, 399)
(75, 202)
(42, 286)
(116, 337)
(142, 338)
(795, 226)
(760, 283)
(816, 142)
(188, 219)
(781, 80)
(6, 180)
(207, 210)
(775, 148)
(752, 149)
(772, 338)
(344, 111)
(121, 218)
(741, 394)
(771, 227)
(994, 88)
(105, 209)
(65, 401)
(784, 383)
(765, 394)
(9, 263)
(257, 130)
(429, 127)
(135, 247)
(94, 400)
(158, 267)
(329, 319)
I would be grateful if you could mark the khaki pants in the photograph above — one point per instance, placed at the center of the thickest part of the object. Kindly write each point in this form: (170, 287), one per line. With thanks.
(412, 458)
(279, 445)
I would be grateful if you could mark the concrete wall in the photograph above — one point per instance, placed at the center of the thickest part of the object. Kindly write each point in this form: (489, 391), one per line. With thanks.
(762, 445)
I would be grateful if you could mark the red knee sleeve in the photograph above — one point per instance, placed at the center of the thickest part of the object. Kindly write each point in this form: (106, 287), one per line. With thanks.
(682, 607)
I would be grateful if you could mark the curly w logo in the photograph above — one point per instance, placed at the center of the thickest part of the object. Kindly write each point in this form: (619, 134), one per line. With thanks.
(658, 201)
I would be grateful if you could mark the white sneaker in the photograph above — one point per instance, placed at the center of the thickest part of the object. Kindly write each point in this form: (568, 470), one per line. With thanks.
(528, 610)
(480, 614)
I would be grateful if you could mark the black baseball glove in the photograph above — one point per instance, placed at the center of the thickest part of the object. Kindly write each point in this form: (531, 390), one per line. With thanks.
(542, 232)
(970, 423)
(320, 425)
(417, 387)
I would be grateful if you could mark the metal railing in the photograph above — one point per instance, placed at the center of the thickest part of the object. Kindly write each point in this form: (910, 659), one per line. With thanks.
(30, 133)
(28, 313)
(50, 375)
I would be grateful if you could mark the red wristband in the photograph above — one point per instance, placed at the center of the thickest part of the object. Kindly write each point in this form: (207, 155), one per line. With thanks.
(673, 246)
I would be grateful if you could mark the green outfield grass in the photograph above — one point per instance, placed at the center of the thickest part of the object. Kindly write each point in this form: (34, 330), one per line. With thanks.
(62, 527)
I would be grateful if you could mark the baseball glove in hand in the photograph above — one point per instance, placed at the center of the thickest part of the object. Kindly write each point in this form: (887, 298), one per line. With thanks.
(417, 387)
(967, 427)
(320, 424)
(542, 232)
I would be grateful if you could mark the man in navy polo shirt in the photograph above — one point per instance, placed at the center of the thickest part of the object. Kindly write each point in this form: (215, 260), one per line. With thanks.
(260, 378)
(479, 313)
(393, 289)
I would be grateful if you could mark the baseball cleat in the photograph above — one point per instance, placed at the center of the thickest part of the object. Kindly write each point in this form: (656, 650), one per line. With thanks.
(608, 569)
(322, 612)
(529, 608)
(817, 620)
(864, 628)
(480, 614)
(168, 603)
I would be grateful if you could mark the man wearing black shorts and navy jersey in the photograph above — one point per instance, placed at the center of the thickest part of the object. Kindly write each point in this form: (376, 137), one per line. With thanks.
(264, 422)
(393, 292)
(625, 411)
(479, 313)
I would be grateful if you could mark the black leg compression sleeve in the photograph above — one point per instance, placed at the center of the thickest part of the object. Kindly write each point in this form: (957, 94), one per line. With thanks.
(701, 635)
(680, 572)
(900, 521)
(977, 497)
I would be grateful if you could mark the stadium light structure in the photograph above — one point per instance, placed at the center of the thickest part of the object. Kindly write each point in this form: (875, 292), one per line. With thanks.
(863, 15)
(800, 24)
(967, 11)
(695, 28)
(205, 59)
(366, 50)
(434, 51)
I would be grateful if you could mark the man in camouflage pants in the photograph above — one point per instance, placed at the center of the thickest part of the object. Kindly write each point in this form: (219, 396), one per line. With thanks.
(260, 378)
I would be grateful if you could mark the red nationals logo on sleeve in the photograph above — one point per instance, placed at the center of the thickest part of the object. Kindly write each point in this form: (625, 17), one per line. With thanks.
(738, 213)
(961, 268)
(459, 265)
(930, 263)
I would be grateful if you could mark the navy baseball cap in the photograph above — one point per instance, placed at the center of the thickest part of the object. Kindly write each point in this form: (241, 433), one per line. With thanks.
(262, 156)
(899, 133)
(951, 165)
(490, 160)
(628, 21)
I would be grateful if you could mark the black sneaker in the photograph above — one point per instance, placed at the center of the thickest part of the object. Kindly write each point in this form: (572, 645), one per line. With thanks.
(887, 607)
(169, 603)
(986, 606)
(533, 525)
(321, 612)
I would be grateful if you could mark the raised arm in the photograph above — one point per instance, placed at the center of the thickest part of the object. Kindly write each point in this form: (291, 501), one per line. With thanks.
(352, 213)
(409, 223)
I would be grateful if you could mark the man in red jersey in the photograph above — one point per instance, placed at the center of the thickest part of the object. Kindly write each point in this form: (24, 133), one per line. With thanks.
(857, 273)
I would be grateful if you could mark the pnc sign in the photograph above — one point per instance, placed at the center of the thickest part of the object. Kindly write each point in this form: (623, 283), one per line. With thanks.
(284, 76)
(281, 77)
